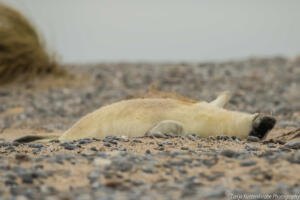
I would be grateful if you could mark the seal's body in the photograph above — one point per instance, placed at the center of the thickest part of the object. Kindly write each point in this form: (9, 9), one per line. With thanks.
(137, 116)
(146, 116)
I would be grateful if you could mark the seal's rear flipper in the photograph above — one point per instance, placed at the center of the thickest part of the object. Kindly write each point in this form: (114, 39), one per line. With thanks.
(222, 99)
(34, 138)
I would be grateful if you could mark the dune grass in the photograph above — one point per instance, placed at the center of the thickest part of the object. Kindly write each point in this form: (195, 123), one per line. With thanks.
(23, 55)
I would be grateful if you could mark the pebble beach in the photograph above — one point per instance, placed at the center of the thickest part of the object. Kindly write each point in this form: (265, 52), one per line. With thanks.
(180, 167)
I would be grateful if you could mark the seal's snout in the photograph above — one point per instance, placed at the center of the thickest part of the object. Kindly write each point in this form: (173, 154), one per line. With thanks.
(261, 125)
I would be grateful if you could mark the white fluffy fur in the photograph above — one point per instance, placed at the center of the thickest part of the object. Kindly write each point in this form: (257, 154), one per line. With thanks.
(137, 116)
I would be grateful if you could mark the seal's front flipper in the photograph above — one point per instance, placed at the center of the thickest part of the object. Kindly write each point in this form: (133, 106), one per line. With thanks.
(166, 128)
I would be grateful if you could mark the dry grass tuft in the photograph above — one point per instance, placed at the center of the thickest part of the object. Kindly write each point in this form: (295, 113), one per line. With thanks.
(23, 55)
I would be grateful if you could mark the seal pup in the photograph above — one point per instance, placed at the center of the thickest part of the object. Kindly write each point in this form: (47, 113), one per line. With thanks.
(167, 116)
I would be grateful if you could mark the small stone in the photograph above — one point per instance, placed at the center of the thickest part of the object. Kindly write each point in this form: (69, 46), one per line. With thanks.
(136, 183)
(106, 144)
(16, 144)
(47, 190)
(122, 164)
(94, 175)
(229, 153)
(161, 148)
(84, 141)
(37, 145)
(19, 170)
(110, 140)
(102, 154)
(184, 148)
(295, 158)
(55, 198)
(27, 178)
(221, 137)
(271, 145)
(181, 170)
(4, 144)
(101, 162)
(210, 162)
(52, 149)
(253, 139)
(22, 157)
(285, 124)
(70, 146)
(218, 192)
(10, 183)
(94, 149)
(54, 141)
(247, 163)
(149, 169)
(250, 147)
(148, 151)
(10, 176)
(213, 176)
(137, 141)
(41, 173)
(96, 185)
(292, 145)
(191, 136)
(83, 197)
(21, 197)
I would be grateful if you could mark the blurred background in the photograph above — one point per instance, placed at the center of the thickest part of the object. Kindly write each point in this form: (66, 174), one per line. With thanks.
(170, 30)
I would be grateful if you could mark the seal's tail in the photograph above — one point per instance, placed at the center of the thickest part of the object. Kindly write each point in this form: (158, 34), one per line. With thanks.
(35, 138)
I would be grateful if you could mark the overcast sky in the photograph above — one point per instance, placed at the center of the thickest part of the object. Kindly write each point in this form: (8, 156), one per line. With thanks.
(166, 30)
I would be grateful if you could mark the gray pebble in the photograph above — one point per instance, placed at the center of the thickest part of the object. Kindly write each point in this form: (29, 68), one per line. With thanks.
(37, 145)
(292, 145)
(27, 178)
(271, 145)
(4, 166)
(216, 193)
(287, 124)
(48, 190)
(122, 165)
(21, 197)
(84, 141)
(70, 146)
(253, 139)
(148, 151)
(94, 149)
(10, 183)
(83, 197)
(137, 141)
(295, 158)
(250, 147)
(22, 157)
(247, 163)
(106, 144)
(149, 169)
(229, 153)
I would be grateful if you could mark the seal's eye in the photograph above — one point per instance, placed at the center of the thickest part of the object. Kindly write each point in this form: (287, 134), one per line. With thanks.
(261, 125)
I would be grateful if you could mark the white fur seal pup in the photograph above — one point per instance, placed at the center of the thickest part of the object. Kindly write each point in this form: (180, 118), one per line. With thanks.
(148, 116)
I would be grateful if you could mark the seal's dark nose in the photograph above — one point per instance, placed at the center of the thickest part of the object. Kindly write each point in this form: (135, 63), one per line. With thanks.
(261, 125)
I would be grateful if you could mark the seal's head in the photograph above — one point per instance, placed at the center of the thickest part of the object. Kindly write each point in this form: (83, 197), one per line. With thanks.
(261, 125)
